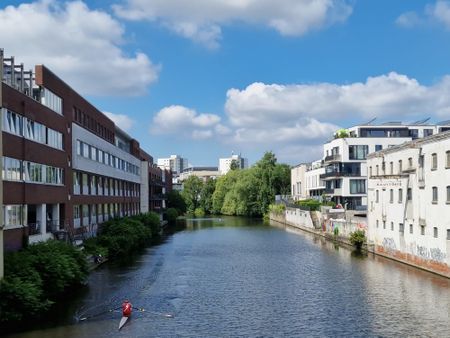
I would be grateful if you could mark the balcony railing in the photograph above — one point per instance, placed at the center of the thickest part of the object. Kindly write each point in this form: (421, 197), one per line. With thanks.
(34, 228)
(340, 174)
(53, 226)
(333, 158)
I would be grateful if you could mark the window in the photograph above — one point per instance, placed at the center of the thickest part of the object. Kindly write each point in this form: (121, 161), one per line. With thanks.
(12, 122)
(391, 165)
(427, 132)
(79, 148)
(400, 167)
(410, 162)
(384, 224)
(51, 100)
(435, 232)
(12, 169)
(377, 196)
(448, 193)
(357, 186)
(422, 230)
(84, 180)
(35, 131)
(391, 196)
(370, 171)
(86, 150)
(401, 228)
(378, 147)
(448, 234)
(392, 226)
(409, 194)
(15, 215)
(411, 228)
(400, 195)
(93, 154)
(448, 159)
(33, 172)
(434, 162)
(358, 152)
(54, 175)
(435, 194)
(377, 170)
(76, 211)
(54, 139)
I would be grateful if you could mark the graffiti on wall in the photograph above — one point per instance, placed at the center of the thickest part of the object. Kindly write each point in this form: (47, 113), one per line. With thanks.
(389, 244)
(434, 254)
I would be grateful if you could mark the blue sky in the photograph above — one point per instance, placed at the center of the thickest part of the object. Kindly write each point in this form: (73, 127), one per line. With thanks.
(203, 78)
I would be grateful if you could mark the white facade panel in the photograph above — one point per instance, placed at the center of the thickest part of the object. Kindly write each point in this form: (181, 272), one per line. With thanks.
(92, 166)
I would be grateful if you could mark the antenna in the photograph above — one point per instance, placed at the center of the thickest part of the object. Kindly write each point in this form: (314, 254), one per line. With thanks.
(369, 123)
(420, 122)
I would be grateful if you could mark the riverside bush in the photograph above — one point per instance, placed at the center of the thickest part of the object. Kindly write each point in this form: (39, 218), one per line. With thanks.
(277, 209)
(172, 215)
(358, 238)
(36, 277)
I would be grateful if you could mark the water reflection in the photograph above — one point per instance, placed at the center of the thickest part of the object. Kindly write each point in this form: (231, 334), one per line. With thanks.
(230, 277)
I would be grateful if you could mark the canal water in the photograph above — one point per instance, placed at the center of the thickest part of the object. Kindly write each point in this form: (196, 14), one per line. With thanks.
(235, 277)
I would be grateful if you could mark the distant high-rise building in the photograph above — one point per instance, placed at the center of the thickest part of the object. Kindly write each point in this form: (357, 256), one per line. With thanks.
(175, 163)
(225, 163)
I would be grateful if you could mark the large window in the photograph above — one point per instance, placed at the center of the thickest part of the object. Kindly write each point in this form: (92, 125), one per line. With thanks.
(12, 169)
(357, 186)
(33, 172)
(15, 215)
(54, 139)
(358, 152)
(51, 100)
(12, 122)
(35, 131)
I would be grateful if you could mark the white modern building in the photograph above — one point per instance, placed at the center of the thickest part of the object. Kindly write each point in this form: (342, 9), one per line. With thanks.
(225, 163)
(306, 181)
(344, 157)
(409, 202)
(175, 163)
(204, 173)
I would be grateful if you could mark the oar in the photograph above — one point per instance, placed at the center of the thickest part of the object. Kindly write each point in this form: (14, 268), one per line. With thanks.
(167, 315)
(98, 314)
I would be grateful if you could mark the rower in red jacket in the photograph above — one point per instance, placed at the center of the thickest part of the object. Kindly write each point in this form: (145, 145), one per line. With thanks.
(126, 308)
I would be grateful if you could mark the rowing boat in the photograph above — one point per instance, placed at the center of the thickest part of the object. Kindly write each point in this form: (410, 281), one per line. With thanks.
(123, 321)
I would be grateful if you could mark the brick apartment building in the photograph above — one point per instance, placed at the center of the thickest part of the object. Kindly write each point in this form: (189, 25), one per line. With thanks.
(66, 166)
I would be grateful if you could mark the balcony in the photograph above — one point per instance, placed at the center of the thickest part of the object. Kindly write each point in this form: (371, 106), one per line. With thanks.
(34, 228)
(333, 158)
(334, 174)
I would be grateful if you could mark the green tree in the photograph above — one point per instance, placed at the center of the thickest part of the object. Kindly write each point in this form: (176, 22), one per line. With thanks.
(234, 165)
(192, 187)
(223, 185)
(175, 200)
(282, 179)
(206, 200)
(265, 173)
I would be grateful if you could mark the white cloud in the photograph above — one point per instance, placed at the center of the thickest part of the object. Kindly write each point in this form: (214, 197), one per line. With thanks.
(80, 45)
(300, 117)
(202, 134)
(180, 120)
(382, 96)
(122, 121)
(438, 13)
(201, 20)
(408, 20)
